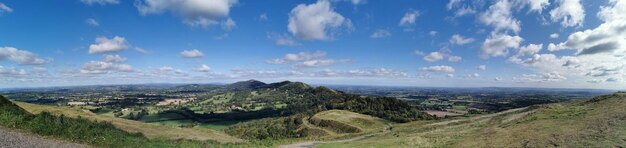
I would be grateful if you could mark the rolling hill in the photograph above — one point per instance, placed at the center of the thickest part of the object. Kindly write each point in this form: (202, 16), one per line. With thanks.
(598, 122)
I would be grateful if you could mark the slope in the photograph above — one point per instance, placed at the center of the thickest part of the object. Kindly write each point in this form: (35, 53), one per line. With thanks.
(149, 130)
(599, 122)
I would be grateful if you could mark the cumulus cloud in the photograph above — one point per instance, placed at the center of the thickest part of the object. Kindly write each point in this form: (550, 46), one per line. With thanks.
(460, 40)
(498, 45)
(554, 35)
(114, 58)
(4, 8)
(500, 17)
(380, 33)
(200, 13)
(203, 68)
(20, 56)
(455, 58)
(609, 37)
(409, 18)
(569, 12)
(542, 77)
(434, 56)
(102, 67)
(316, 63)
(282, 39)
(441, 68)
(106, 45)
(432, 33)
(306, 59)
(194, 53)
(317, 21)
(536, 5)
(482, 67)
(305, 56)
(100, 2)
(529, 49)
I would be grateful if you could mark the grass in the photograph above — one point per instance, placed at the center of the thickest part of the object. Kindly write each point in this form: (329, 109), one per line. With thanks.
(152, 131)
(364, 123)
(600, 122)
(218, 126)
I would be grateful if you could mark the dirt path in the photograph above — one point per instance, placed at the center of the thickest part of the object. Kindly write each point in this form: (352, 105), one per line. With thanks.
(15, 139)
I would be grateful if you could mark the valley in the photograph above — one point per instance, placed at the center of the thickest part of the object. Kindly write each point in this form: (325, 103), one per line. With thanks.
(288, 114)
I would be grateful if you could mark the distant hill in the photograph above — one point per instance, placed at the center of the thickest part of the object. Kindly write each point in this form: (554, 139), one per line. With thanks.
(598, 122)
(250, 84)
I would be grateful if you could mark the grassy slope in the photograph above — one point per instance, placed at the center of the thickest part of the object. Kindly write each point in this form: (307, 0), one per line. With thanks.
(149, 130)
(600, 122)
(364, 123)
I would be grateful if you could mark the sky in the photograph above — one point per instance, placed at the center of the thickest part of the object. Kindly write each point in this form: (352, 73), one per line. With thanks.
(428, 43)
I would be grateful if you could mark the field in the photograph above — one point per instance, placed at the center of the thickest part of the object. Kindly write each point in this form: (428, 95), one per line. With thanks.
(149, 130)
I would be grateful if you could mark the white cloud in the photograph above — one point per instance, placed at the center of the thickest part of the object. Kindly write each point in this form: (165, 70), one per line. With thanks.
(92, 22)
(464, 11)
(100, 2)
(5, 8)
(554, 35)
(114, 58)
(454, 58)
(543, 77)
(101, 67)
(571, 12)
(460, 40)
(380, 33)
(357, 2)
(317, 21)
(305, 56)
(282, 39)
(497, 79)
(482, 67)
(434, 56)
(377, 72)
(419, 53)
(166, 68)
(499, 45)
(441, 68)
(409, 18)
(11, 71)
(500, 17)
(452, 3)
(203, 68)
(529, 49)
(201, 13)
(474, 75)
(105, 45)
(433, 33)
(19, 56)
(277, 61)
(228, 24)
(536, 5)
(263, 17)
(609, 37)
(316, 63)
(194, 53)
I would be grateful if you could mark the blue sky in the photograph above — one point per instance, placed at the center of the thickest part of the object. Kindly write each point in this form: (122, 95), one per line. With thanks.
(456, 43)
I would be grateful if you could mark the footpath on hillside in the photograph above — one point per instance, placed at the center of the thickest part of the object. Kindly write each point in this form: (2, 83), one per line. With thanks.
(15, 139)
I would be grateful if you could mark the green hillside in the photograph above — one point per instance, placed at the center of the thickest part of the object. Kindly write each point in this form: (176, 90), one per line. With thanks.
(79, 130)
(599, 122)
